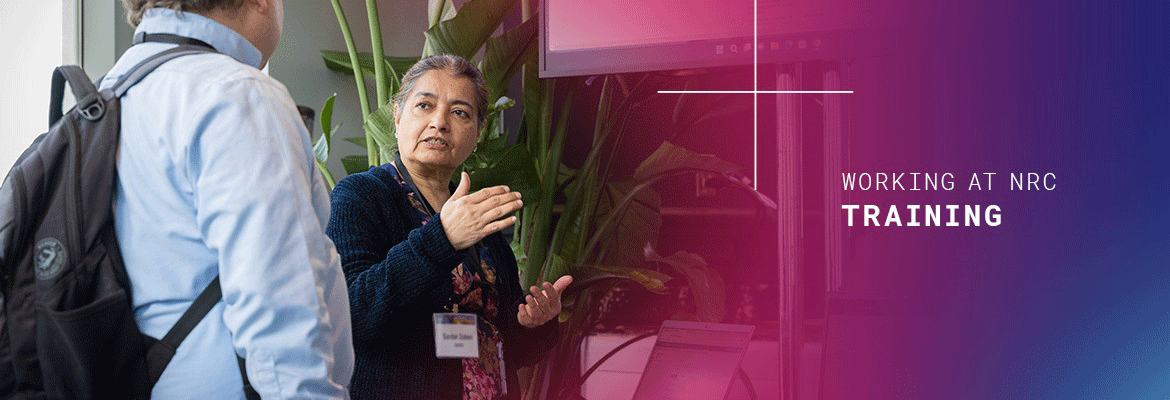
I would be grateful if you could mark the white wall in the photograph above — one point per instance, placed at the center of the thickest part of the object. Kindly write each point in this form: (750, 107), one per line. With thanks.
(32, 46)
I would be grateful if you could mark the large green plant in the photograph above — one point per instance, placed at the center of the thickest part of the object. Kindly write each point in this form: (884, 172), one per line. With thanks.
(464, 34)
(606, 227)
(606, 235)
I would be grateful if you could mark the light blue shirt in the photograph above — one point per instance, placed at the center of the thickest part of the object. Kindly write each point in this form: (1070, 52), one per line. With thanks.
(216, 177)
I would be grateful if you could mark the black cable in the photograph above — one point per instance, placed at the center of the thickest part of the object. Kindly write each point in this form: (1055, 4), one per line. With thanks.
(740, 373)
(581, 381)
(747, 383)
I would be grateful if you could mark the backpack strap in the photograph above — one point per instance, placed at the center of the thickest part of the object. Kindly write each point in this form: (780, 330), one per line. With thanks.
(250, 392)
(139, 71)
(162, 351)
(89, 102)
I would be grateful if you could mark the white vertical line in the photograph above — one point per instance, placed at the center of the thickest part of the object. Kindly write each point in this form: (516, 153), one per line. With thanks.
(755, 95)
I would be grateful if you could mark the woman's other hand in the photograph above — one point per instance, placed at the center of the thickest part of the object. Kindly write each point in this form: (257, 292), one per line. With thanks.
(467, 218)
(542, 305)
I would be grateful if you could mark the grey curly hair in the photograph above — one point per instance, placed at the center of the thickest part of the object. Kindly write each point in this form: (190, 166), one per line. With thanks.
(136, 8)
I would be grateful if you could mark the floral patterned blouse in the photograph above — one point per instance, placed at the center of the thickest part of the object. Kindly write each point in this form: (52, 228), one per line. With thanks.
(475, 292)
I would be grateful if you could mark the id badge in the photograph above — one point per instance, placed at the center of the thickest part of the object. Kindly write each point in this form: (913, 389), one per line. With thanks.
(456, 335)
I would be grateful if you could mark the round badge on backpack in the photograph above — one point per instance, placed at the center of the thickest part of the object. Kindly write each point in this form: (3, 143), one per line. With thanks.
(49, 257)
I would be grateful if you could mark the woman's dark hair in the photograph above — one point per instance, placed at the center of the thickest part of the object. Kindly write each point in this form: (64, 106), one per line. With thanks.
(457, 66)
(135, 8)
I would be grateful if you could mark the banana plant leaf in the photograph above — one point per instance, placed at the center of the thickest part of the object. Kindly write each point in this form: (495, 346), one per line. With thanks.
(586, 275)
(503, 57)
(327, 117)
(492, 134)
(533, 120)
(439, 10)
(358, 140)
(667, 160)
(705, 283)
(691, 110)
(509, 165)
(471, 27)
(579, 214)
(577, 221)
(338, 61)
(380, 125)
(355, 164)
(565, 175)
(669, 157)
(321, 146)
(635, 227)
(538, 216)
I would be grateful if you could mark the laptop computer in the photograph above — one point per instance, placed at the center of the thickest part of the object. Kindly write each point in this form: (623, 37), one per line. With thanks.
(693, 361)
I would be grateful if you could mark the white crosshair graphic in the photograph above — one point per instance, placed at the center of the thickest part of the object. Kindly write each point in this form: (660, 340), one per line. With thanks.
(755, 92)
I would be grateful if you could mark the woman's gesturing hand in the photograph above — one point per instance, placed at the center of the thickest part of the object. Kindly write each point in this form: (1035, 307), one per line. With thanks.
(542, 305)
(467, 218)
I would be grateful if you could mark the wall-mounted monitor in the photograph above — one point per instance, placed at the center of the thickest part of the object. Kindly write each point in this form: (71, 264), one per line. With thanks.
(588, 37)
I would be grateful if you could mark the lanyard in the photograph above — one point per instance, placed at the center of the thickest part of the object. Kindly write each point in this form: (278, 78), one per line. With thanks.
(473, 252)
(430, 211)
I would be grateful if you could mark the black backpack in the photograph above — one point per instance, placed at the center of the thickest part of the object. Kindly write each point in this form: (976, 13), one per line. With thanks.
(67, 328)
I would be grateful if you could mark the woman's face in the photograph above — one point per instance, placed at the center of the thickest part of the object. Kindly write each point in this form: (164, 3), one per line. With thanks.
(438, 126)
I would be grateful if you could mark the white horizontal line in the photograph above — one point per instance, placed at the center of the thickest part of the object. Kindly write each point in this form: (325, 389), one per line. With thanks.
(758, 91)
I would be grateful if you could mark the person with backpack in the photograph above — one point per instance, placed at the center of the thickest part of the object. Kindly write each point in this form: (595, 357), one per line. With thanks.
(216, 178)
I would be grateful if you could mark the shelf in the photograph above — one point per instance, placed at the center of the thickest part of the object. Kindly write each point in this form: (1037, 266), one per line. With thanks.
(709, 212)
(694, 211)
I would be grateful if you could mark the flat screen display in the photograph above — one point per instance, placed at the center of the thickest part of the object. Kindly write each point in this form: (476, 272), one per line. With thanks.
(588, 37)
(693, 361)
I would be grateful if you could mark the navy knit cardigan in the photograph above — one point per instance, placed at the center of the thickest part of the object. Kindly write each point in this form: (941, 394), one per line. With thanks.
(399, 273)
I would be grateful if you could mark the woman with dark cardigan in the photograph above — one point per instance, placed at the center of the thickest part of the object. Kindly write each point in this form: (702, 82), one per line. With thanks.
(413, 245)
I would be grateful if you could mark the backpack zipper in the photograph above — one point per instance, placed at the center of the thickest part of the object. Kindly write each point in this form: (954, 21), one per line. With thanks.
(18, 193)
(73, 191)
